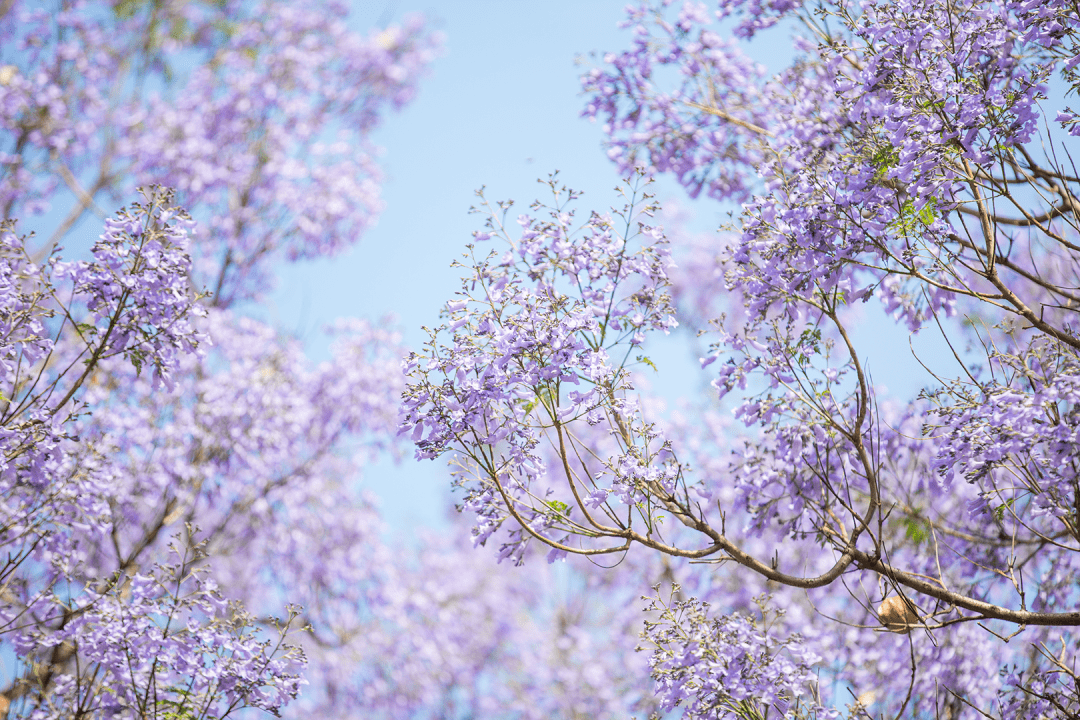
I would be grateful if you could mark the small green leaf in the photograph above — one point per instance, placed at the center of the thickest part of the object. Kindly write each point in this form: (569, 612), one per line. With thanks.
(137, 357)
(559, 507)
(999, 511)
(916, 530)
(647, 361)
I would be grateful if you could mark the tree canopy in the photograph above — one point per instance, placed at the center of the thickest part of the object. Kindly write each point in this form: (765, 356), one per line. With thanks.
(183, 531)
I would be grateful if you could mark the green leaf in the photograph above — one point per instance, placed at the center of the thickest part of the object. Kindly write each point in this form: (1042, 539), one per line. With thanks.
(559, 507)
(999, 511)
(647, 361)
(917, 530)
(884, 159)
(137, 357)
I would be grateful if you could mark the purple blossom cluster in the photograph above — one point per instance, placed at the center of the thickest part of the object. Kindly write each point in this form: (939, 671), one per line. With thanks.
(136, 290)
(667, 131)
(836, 144)
(539, 337)
(162, 643)
(133, 300)
(26, 294)
(729, 668)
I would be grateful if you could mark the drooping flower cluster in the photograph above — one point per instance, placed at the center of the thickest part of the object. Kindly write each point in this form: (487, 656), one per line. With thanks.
(137, 287)
(164, 643)
(729, 668)
(702, 132)
(1028, 431)
(133, 300)
(540, 337)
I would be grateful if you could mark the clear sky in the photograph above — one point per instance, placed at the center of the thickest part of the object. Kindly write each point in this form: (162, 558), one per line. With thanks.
(500, 108)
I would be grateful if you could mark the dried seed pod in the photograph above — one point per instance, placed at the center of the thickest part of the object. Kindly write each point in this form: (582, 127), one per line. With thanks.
(898, 614)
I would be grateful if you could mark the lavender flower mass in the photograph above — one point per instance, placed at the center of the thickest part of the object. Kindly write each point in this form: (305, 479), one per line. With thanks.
(189, 509)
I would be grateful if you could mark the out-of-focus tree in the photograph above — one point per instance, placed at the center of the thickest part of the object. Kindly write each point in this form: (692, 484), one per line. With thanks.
(175, 474)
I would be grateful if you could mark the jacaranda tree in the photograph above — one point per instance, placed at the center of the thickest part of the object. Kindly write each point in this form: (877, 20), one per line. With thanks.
(834, 549)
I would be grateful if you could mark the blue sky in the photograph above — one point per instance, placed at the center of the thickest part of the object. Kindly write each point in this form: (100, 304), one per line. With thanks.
(499, 109)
